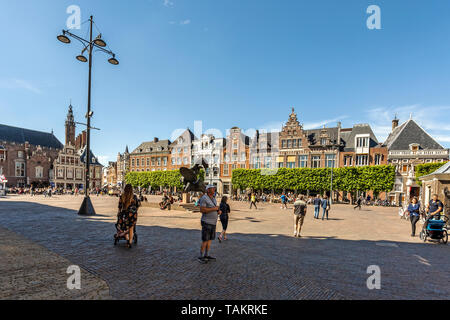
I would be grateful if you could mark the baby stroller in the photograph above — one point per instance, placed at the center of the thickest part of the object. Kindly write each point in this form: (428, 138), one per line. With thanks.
(435, 230)
(134, 240)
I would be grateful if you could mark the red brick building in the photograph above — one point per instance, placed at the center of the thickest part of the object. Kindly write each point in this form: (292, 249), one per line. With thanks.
(26, 156)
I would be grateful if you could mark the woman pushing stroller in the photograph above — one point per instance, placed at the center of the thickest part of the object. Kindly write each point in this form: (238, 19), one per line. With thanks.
(127, 216)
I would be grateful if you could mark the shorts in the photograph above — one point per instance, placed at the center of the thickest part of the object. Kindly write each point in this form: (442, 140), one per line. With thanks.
(208, 231)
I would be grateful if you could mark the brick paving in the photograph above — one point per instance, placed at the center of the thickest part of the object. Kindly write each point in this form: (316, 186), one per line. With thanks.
(30, 271)
(261, 259)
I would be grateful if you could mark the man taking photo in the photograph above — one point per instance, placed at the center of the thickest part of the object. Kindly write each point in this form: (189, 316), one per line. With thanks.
(210, 212)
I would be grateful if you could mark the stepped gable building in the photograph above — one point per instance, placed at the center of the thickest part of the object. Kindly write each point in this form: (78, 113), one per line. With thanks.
(361, 147)
(181, 150)
(123, 166)
(408, 145)
(299, 148)
(69, 165)
(151, 156)
(235, 155)
(26, 156)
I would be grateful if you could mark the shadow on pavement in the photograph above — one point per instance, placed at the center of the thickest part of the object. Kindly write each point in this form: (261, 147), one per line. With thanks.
(163, 264)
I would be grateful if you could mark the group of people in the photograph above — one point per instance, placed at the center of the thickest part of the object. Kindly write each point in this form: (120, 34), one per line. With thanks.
(321, 203)
(433, 210)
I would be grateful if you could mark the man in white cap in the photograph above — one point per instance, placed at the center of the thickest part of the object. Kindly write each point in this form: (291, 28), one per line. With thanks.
(210, 212)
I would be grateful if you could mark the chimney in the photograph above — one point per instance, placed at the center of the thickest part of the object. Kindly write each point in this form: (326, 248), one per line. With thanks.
(155, 139)
(394, 123)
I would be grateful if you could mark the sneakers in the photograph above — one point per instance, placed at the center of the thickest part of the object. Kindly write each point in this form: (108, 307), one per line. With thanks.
(202, 260)
(295, 233)
(209, 258)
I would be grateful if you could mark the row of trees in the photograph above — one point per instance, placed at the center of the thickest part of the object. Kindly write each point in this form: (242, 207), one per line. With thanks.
(375, 178)
(156, 179)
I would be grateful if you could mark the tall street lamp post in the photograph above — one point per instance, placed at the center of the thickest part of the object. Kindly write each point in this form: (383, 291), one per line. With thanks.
(98, 43)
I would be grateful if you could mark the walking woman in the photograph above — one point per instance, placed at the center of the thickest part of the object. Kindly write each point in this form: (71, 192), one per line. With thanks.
(225, 208)
(414, 214)
(325, 206)
(127, 215)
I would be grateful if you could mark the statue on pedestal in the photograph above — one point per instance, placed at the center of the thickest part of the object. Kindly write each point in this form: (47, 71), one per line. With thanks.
(191, 178)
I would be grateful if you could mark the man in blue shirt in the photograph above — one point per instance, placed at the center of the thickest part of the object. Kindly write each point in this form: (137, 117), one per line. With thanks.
(317, 202)
(414, 214)
(283, 201)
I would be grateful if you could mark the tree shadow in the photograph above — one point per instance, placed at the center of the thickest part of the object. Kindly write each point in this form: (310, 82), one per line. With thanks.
(163, 264)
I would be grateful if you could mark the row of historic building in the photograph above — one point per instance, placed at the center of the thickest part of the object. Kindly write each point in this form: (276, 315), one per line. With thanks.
(292, 147)
(34, 158)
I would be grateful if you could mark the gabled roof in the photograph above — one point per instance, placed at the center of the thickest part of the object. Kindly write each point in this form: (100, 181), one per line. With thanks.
(348, 136)
(82, 154)
(410, 132)
(186, 134)
(36, 138)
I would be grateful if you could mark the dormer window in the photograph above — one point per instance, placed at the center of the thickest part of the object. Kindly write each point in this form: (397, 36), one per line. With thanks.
(414, 147)
(323, 141)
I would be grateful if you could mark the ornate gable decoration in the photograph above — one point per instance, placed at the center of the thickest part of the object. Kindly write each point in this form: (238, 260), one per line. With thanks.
(292, 126)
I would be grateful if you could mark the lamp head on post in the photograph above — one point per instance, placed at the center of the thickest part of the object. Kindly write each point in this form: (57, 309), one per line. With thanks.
(63, 38)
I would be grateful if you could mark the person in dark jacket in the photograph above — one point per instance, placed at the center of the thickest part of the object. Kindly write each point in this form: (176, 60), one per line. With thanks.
(414, 214)
(225, 208)
(325, 206)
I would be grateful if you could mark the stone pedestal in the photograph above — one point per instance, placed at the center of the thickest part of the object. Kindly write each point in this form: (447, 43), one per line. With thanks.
(186, 198)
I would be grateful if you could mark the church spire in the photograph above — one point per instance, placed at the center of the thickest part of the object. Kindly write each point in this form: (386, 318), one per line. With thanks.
(70, 127)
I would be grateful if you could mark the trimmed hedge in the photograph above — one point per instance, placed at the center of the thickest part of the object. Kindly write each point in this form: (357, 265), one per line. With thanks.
(426, 168)
(375, 178)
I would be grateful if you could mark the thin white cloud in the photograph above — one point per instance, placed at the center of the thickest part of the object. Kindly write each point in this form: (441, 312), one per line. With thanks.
(19, 84)
(319, 124)
(168, 3)
(184, 22)
(430, 118)
(103, 159)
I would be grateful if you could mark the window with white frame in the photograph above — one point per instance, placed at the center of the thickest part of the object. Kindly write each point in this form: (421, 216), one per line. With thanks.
(315, 161)
(377, 159)
(348, 161)
(362, 142)
(268, 162)
(69, 173)
(20, 154)
(330, 160)
(362, 160)
(225, 170)
(60, 172)
(20, 169)
(39, 172)
(78, 173)
(303, 161)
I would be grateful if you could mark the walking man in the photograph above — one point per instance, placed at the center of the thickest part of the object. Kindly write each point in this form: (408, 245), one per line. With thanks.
(317, 203)
(253, 201)
(283, 201)
(434, 210)
(210, 212)
(299, 215)
(358, 203)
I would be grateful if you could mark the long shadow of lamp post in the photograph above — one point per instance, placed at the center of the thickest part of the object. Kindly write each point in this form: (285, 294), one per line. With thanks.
(89, 45)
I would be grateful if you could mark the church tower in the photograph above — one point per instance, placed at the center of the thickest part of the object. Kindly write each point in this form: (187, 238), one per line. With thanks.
(70, 127)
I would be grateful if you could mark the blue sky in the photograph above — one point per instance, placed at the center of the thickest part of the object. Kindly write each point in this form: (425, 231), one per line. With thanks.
(228, 63)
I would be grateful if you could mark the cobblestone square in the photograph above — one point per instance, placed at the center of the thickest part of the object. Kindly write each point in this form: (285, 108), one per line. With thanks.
(41, 237)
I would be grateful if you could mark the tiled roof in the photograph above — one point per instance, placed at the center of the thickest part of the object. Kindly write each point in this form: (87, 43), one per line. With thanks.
(314, 135)
(349, 136)
(82, 153)
(152, 146)
(410, 132)
(37, 138)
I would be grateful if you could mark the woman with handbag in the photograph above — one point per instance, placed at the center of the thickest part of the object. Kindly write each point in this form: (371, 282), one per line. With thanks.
(325, 206)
